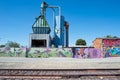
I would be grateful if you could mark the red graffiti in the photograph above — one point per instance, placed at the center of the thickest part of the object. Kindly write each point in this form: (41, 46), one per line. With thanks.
(80, 52)
(111, 42)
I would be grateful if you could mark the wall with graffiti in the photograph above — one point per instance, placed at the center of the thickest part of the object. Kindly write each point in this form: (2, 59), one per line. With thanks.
(111, 51)
(111, 47)
(35, 52)
(81, 52)
(111, 42)
(87, 52)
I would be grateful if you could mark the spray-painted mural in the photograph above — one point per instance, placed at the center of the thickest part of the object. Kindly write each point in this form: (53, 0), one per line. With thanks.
(87, 53)
(35, 52)
(12, 52)
(81, 52)
(96, 53)
(111, 51)
(111, 47)
(111, 42)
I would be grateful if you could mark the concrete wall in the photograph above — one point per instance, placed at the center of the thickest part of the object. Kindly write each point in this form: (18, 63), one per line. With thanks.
(96, 52)
(87, 52)
(40, 37)
(110, 47)
(35, 52)
(79, 52)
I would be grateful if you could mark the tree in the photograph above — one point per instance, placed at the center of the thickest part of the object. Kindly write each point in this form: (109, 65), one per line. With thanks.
(115, 37)
(2, 46)
(109, 36)
(13, 44)
(80, 42)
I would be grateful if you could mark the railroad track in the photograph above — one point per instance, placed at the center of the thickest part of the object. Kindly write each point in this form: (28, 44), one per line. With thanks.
(60, 74)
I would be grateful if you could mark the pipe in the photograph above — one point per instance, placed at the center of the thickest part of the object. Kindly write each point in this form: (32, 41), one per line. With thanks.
(67, 33)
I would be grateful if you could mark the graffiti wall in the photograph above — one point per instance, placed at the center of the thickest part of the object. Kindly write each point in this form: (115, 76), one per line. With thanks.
(111, 47)
(87, 53)
(111, 51)
(81, 52)
(12, 52)
(111, 42)
(36, 52)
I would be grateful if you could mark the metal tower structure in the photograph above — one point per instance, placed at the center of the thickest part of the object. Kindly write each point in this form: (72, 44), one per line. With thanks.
(41, 29)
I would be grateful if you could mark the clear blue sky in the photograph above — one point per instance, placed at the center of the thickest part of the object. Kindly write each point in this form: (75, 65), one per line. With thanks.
(88, 19)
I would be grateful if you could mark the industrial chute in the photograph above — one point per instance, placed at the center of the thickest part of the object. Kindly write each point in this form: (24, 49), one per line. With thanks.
(41, 29)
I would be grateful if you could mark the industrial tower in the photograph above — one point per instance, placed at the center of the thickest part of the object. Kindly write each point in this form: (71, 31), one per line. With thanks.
(41, 30)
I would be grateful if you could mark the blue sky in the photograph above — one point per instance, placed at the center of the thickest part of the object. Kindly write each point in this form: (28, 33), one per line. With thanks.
(88, 19)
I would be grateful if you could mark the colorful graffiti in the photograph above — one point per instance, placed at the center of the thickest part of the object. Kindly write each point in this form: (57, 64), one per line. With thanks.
(111, 47)
(111, 42)
(81, 52)
(87, 53)
(112, 51)
(11, 52)
(35, 52)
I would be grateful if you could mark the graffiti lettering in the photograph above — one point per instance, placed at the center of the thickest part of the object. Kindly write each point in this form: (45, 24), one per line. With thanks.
(35, 52)
(110, 42)
(81, 52)
(88, 53)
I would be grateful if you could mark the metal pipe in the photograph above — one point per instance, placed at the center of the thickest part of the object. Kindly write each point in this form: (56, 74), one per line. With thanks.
(67, 33)
(53, 20)
(44, 5)
(67, 40)
(56, 7)
(52, 7)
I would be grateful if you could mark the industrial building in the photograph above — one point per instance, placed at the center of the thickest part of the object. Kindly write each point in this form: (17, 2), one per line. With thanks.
(41, 30)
